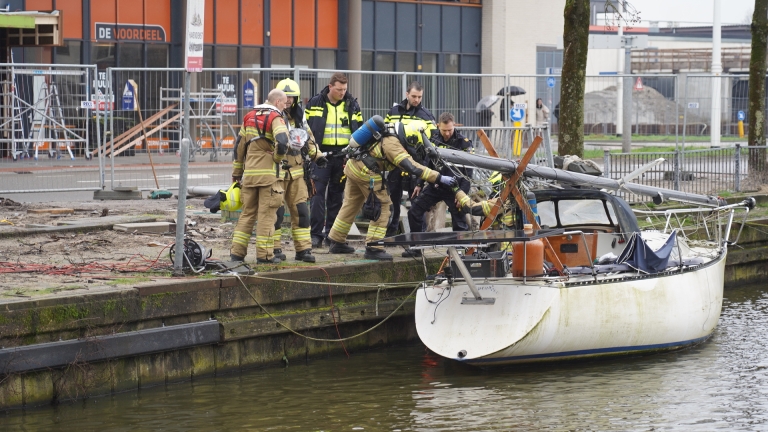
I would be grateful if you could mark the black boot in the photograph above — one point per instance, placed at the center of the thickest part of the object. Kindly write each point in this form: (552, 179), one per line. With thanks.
(236, 258)
(305, 255)
(279, 254)
(412, 253)
(376, 254)
(274, 260)
(340, 248)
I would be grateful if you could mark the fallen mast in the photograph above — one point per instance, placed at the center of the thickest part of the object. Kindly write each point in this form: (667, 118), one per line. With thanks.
(659, 195)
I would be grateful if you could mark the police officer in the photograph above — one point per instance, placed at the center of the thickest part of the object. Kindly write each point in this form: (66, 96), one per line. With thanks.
(410, 109)
(364, 177)
(262, 146)
(426, 196)
(333, 115)
(296, 194)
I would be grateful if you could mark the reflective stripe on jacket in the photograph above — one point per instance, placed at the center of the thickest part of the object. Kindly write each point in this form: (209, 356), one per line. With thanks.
(333, 124)
(388, 154)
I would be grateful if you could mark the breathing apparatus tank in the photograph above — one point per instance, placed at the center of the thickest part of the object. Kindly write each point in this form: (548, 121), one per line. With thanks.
(366, 135)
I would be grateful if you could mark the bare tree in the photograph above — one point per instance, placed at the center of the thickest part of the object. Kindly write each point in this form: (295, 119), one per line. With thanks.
(757, 69)
(575, 46)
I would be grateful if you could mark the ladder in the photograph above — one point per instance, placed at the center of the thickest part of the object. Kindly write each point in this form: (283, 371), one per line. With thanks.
(41, 132)
(13, 126)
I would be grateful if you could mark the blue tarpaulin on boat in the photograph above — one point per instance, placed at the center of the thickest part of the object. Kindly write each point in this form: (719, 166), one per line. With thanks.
(641, 257)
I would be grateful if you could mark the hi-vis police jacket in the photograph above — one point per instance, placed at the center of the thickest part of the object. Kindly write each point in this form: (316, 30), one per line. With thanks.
(385, 155)
(260, 166)
(294, 157)
(333, 124)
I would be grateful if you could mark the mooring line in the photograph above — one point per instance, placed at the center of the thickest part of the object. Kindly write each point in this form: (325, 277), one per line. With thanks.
(318, 339)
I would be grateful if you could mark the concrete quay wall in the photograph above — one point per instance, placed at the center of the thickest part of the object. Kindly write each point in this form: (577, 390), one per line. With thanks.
(73, 347)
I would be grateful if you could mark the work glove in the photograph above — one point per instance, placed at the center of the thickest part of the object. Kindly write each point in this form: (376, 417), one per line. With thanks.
(448, 181)
(321, 162)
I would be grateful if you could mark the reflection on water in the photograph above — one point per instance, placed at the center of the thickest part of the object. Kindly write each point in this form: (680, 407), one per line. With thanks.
(721, 384)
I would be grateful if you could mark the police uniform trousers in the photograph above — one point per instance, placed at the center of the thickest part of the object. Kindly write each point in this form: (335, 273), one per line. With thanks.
(259, 203)
(355, 194)
(324, 210)
(395, 180)
(296, 196)
(429, 196)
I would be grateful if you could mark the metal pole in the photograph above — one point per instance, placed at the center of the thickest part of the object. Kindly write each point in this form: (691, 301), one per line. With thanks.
(606, 163)
(737, 168)
(548, 146)
(626, 141)
(620, 59)
(182, 203)
(677, 107)
(717, 69)
(111, 97)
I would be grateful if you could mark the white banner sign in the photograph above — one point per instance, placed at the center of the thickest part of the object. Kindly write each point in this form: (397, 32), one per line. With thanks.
(193, 58)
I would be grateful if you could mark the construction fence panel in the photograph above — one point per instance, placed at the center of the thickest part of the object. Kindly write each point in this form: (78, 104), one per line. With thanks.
(46, 131)
(151, 102)
(700, 93)
(654, 106)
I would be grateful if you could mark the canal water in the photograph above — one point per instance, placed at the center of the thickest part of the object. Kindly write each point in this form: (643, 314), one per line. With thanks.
(719, 385)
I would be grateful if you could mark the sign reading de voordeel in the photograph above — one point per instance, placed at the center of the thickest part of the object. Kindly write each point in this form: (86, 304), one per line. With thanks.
(130, 32)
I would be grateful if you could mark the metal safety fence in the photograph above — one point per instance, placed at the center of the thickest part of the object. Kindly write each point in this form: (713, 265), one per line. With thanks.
(116, 107)
(702, 171)
(46, 124)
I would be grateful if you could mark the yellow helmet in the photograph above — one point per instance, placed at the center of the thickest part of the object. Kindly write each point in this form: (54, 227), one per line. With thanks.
(411, 133)
(290, 87)
(232, 201)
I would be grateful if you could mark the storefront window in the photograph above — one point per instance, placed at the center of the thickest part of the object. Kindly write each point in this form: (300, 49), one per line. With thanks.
(157, 56)
(251, 57)
(366, 60)
(304, 58)
(37, 55)
(429, 62)
(226, 57)
(451, 63)
(406, 62)
(69, 53)
(207, 56)
(326, 59)
(130, 55)
(281, 57)
(385, 62)
(103, 55)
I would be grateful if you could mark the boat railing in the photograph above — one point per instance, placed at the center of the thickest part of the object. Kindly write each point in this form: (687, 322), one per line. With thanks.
(746, 205)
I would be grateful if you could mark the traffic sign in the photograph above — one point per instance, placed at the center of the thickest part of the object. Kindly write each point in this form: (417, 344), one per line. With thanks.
(516, 114)
(550, 82)
(639, 84)
(741, 116)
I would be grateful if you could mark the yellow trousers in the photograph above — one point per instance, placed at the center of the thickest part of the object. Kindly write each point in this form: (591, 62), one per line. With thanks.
(355, 194)
(296, 197)
(259, 203)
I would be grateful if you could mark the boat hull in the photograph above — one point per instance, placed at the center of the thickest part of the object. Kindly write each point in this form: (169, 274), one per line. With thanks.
(537, 321)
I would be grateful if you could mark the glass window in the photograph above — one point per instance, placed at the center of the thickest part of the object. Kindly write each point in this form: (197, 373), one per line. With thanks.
(281, 57)
(226, 57)
(546, 211)
(103, 55)
(366, 60)
(326, 59)
(69, 53)
(451, 63)
(385, 62)
(429, 62)
(251, 57)
(577, 212)
(130, 55)
(304, 58)
(37, 55)
(207, 56)
(157, 56)
(406, 62)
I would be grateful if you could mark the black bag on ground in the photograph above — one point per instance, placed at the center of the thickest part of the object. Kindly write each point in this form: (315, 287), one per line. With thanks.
(372, 207)
(213, 202)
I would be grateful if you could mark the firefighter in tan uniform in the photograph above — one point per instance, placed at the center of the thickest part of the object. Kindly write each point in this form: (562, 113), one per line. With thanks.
(364, 176)
(262, 146)
(296, 193)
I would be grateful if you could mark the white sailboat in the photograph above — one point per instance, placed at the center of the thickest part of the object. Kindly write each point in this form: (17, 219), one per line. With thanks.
(650, 290)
